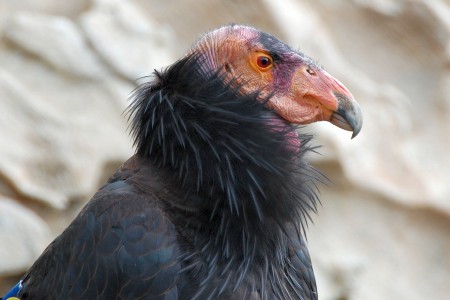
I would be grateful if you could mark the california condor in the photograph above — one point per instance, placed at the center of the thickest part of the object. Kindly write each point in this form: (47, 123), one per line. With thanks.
(213, 205)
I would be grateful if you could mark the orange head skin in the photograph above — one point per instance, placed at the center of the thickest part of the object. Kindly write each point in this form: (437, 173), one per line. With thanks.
(299, 90)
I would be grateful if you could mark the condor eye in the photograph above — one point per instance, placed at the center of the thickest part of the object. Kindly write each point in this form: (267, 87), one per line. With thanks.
(264, 62)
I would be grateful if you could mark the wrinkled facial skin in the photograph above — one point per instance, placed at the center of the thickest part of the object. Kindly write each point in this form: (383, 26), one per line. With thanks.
(299, 90)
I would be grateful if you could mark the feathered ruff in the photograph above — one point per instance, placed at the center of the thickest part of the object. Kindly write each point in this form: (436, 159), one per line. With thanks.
(244, 188)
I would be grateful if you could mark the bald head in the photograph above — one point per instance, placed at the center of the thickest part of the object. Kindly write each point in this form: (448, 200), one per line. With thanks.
(299, 90)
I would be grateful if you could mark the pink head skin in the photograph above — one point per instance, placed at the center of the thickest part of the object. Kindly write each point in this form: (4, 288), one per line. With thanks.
(301, 92)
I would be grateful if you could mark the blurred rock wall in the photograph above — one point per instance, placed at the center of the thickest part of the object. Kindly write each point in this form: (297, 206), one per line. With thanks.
(383, 232)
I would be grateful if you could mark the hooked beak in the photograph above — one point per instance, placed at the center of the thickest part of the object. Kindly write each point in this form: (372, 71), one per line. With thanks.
(348, 115)
(315, 96)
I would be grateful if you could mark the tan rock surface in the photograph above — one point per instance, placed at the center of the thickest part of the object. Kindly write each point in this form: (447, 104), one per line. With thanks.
(384, 229)
(23, 236)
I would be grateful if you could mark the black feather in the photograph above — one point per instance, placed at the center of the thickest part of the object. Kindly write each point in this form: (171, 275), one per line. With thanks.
(241, 181)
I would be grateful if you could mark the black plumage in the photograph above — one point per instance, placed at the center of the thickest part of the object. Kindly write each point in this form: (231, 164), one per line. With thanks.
(238, 177)
(213, 205)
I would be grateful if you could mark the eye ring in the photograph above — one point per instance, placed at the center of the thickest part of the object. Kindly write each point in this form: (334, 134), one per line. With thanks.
(264, 62)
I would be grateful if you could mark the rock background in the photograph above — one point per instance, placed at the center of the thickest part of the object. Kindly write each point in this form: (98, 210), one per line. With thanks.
(383, 232)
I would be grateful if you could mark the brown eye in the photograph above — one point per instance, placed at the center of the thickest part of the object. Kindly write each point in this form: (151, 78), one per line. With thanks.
(264, 62)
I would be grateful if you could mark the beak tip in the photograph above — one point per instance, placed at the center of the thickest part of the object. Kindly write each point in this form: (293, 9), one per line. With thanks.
(357, 125)
(348, 115)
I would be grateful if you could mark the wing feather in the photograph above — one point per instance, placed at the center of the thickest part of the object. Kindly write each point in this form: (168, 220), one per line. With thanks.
(121, 246)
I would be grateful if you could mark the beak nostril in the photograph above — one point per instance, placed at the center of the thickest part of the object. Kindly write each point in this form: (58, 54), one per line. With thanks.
(310, 71)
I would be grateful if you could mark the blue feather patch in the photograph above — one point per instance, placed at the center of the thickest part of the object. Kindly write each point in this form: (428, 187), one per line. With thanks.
(14, 292)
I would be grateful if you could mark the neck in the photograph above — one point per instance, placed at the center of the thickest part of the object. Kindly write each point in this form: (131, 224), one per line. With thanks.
(232, 158)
